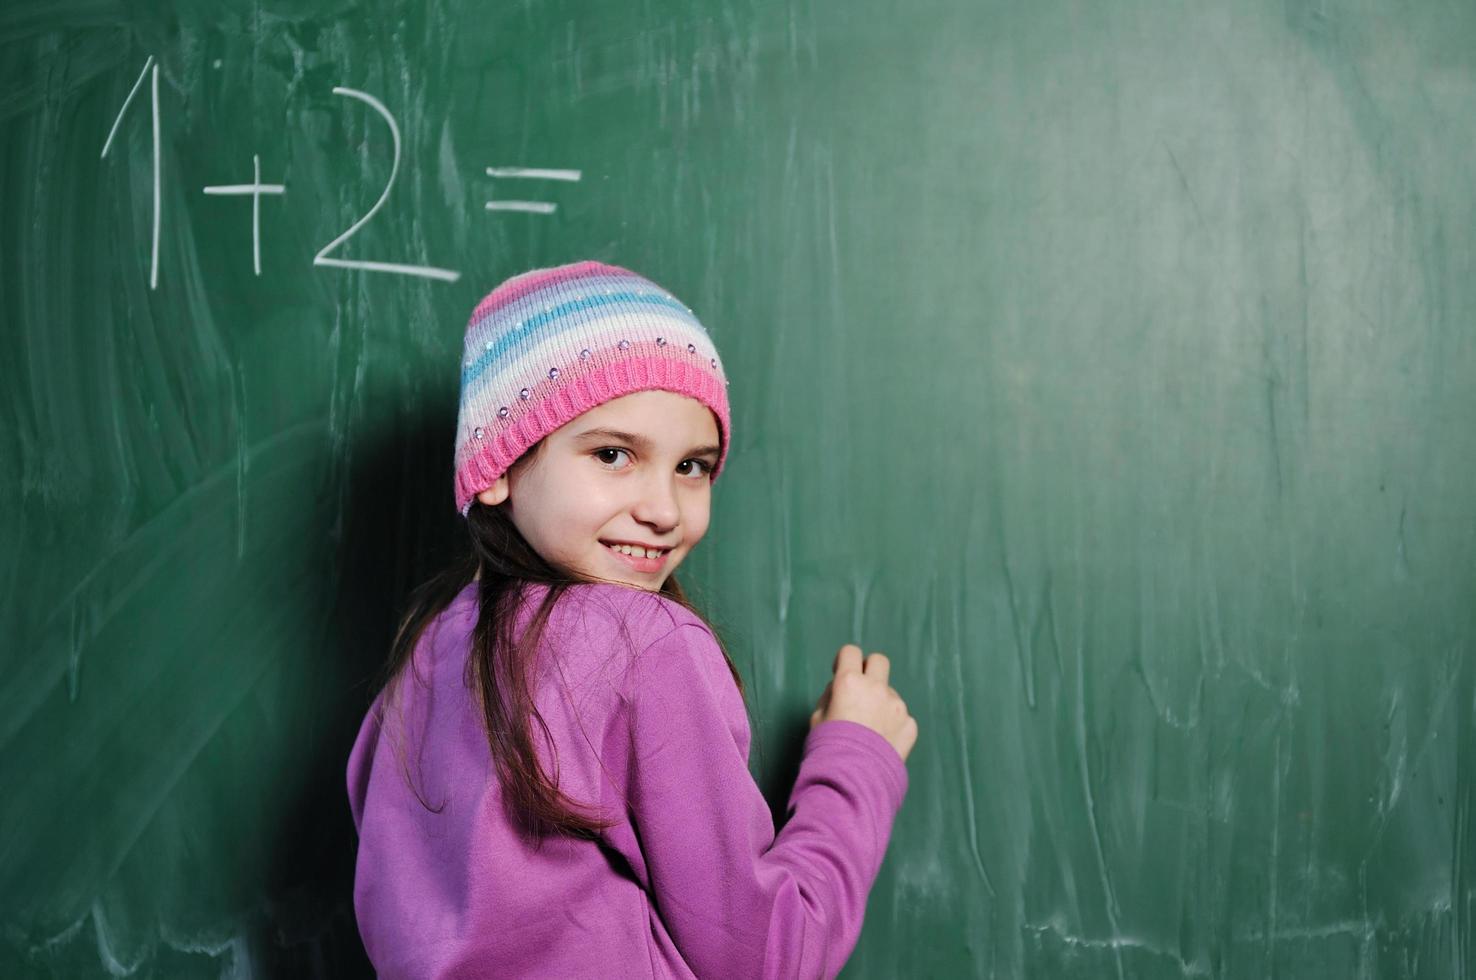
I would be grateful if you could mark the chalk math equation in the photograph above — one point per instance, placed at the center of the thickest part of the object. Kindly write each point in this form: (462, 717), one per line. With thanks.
(256, 190)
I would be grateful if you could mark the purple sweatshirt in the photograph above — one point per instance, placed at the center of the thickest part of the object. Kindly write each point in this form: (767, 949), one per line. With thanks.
(641, 707)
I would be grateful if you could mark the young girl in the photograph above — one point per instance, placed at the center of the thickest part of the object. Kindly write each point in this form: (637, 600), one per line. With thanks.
(554, 780)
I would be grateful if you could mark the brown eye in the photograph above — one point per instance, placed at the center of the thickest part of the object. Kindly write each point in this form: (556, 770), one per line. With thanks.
(600, 454)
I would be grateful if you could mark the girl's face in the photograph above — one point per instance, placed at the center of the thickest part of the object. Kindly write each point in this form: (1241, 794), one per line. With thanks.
(642, 478)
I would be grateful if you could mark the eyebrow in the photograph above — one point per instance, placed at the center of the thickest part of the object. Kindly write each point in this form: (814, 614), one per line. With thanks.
(640, 442)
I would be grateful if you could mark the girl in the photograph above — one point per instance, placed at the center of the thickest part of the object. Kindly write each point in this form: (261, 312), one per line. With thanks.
(554, 780)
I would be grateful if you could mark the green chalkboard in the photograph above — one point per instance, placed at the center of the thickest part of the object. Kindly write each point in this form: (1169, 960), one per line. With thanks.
(1110, 366)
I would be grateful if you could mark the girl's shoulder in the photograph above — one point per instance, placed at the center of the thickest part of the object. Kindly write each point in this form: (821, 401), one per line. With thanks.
(622, 603)
(603, 623)
(633, 640)
(646, 615)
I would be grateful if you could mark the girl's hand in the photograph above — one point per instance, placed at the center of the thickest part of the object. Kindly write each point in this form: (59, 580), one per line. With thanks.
(859, 692)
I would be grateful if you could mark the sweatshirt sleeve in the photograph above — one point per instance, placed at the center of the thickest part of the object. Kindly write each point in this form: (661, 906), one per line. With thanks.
(736, 900)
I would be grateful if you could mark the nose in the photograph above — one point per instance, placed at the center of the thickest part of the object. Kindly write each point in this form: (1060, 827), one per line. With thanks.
(657, 504)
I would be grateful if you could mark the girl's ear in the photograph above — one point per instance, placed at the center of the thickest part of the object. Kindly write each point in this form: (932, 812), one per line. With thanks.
(496, 493)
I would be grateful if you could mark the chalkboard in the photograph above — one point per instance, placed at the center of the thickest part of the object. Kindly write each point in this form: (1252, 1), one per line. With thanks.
(1109, 366)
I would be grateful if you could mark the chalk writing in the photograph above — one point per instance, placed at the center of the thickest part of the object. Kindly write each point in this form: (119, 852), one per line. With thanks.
(534, 207)
(256, 189)
(322, 258)
(154, 261)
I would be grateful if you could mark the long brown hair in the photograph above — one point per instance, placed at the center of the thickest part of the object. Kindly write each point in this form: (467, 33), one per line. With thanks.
(499, 664)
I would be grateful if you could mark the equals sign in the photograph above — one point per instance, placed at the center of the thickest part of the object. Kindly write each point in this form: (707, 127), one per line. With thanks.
(533, 173)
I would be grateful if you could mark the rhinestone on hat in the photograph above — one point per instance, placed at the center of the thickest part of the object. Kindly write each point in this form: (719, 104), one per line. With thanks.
(660, 341)
(691, 348)
(502, 412)
(584, 354)
(623, 344)
(553, 372)
(523, 394)
(477, 432)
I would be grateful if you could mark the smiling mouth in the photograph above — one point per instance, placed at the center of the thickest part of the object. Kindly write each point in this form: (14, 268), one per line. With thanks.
(639, 564)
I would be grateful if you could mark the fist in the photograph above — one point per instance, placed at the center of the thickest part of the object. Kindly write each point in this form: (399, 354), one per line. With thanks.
(859, 691)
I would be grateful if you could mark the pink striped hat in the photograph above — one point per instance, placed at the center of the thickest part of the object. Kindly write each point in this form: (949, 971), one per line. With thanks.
(550, 344)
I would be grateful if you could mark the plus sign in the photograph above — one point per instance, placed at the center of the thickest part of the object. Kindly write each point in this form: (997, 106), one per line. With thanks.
(256, 189)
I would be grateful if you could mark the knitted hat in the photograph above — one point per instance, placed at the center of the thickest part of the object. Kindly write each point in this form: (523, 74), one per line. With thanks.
(550, 344)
